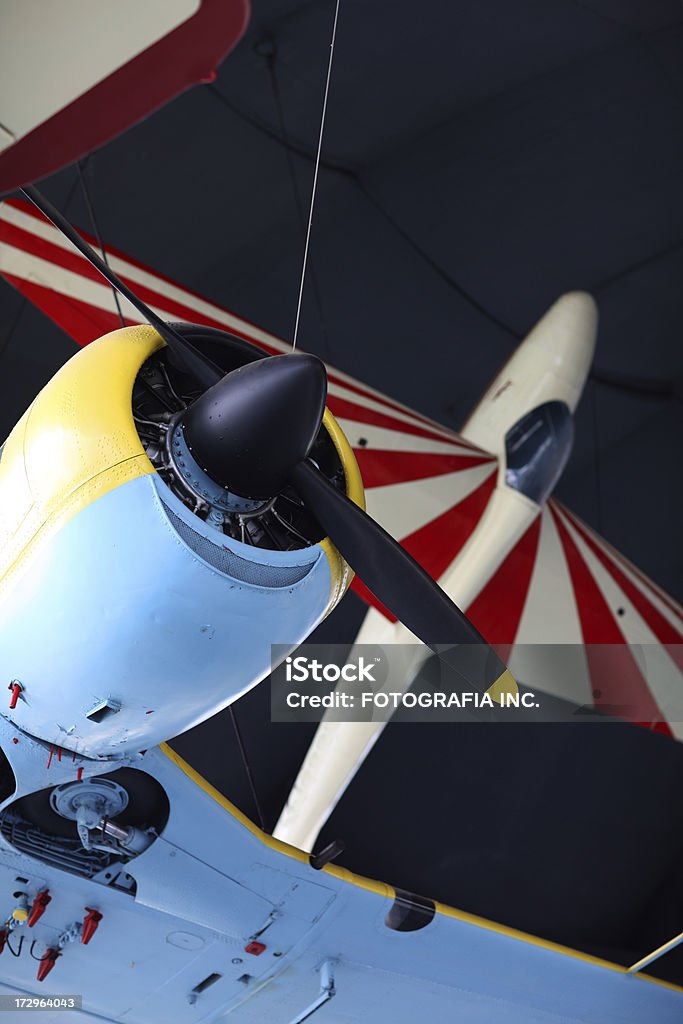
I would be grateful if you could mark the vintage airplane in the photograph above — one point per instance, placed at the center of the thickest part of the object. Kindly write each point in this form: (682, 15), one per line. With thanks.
(166, 846)
(163, 540)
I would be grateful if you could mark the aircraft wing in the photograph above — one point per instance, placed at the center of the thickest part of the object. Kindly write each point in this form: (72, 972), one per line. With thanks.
(129, 60)
(216, 920)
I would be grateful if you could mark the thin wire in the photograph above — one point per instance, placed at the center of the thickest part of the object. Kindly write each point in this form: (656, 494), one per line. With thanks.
(352, 174)
(96, 231)
(315, 176)
(40, 959)
(247, 768)
(289, 157)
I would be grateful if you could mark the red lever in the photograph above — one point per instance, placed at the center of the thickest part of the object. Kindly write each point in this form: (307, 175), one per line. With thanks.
(39, 907)
(47, 962)
(15, 689)
(90, 923)
(254, 947)
(3, 938)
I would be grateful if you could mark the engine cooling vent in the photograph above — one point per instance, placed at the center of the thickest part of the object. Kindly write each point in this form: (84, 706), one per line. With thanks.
(228, 562)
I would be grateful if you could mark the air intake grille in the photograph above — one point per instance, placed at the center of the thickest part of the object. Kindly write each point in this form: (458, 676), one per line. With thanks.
(228, 562)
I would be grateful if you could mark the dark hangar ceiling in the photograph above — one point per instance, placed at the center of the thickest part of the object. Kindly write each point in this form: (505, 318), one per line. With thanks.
(480, 158)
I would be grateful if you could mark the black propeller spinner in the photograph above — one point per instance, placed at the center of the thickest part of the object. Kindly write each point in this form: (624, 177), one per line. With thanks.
(252, 431)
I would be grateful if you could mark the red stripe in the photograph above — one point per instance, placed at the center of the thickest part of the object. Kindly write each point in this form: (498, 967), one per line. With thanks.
(615, 675)
(379, 467)
(397, 407)
(667, 634)
(81, 321)
(438, 543)
(497, 610)
(68, 259)
(345, 409)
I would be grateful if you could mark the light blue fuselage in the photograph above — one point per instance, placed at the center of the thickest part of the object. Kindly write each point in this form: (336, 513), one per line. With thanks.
(138, 608)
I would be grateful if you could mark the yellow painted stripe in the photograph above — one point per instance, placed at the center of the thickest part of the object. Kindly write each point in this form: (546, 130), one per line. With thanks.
(360, 882)
(199, 780)
(275, 844)
(340, 570)
(504, 686)
(553, 947)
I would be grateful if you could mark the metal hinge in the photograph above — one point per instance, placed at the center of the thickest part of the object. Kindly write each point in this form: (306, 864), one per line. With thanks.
(327, 990)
